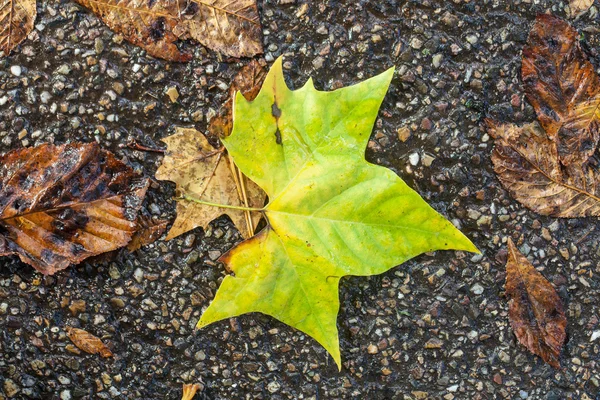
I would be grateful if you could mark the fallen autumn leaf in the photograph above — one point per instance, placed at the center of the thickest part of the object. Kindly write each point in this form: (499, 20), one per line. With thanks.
(231, 27)
(330, 214)
(535, 311)
(203, 172)
(553, 170)
(16, 21)
(63, 204)
(88, 342)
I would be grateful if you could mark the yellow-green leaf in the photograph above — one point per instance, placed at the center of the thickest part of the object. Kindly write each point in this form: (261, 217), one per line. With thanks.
(331, 213)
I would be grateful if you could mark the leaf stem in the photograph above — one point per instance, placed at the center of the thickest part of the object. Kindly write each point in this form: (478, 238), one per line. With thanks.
(208, 203)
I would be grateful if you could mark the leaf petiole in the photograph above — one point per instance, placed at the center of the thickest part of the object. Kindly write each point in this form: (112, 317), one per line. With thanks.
(208, 203)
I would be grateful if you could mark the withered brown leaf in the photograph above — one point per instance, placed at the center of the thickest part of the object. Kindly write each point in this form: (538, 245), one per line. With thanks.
(148, 231)
(208, 174)
(231, 27)
(535, 311)
(62, 204)
(563, 88)
(88, 342)
(16, 21)
(526, 162)
(248, 81)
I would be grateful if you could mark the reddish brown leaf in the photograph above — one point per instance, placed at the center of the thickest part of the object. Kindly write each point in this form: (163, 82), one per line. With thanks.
(248, 81)
(231, 27)
(88, 342)
(148, 232)
(62, 204)
(535, 310)
(563, 88)
(526, 162)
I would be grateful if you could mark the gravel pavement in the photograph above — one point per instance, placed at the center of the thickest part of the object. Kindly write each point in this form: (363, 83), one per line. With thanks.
(434, 328)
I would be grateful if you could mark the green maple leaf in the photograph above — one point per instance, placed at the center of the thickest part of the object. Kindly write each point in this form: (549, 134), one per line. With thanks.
(331, 213)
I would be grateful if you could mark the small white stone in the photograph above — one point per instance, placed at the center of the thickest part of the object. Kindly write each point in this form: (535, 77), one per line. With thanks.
(414, 159)
(477, 288)
(453, 388)
(595, 335)
(16, 70)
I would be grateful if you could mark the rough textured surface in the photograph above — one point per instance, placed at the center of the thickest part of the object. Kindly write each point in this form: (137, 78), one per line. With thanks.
(437, 325)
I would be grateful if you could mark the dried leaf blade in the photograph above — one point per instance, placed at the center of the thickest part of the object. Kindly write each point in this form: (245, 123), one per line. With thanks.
(536, 312)
(230, 27)
(16, 22)
(88, 342)
(527, 164)
(563, 87)
(62, 204)
(205, 173)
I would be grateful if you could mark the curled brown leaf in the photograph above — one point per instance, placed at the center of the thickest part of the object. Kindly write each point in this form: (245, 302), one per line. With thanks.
(535, 312)
(88, 342)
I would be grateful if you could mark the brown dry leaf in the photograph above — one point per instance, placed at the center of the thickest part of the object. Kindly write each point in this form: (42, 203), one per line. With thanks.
(578, 7)
(526, 162)
(231, 27)
(62, 204)
(189, 391)
(16, 21)
(248, 81)
(208, 174)
(563, 88)
(88, 342)
(148, 232)
(535, 311)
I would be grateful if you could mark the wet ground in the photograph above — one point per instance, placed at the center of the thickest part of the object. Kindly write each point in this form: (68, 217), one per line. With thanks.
(435, 327)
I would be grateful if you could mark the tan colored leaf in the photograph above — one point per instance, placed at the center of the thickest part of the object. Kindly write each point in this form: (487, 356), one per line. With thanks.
(535, 311)
(578, 7)
(526, 162)
(148, 231)
(231, 27)
(208, 174)
(248, 81)
(88, 342)
(16, 21)
(563, 88)
(62, 204)
(189, 391)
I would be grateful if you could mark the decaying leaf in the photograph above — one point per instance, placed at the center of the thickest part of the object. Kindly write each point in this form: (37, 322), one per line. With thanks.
(248, 81)
(535, 311)
(189, 391)
(563, 88)
(208, 174)
(62, 204)
(148, 231)
(578, 7)
(331, 213)
(526, 162)
(231, 27)
(16, 21)
(88, 342)
(553, 170)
